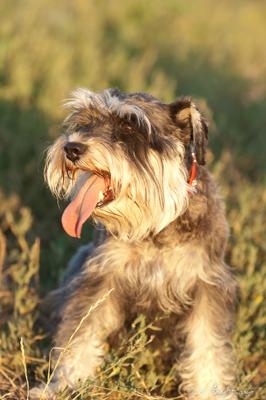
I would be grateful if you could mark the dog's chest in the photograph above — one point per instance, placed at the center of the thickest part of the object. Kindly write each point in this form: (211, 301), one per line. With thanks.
(164, 277)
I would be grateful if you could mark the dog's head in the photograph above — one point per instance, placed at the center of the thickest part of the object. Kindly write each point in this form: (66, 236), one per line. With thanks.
(125, 159)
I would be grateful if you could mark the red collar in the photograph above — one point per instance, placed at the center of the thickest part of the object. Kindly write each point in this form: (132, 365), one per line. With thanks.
(193, 172)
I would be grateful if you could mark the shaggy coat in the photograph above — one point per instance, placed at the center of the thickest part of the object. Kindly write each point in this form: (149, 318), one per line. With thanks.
(166, 238)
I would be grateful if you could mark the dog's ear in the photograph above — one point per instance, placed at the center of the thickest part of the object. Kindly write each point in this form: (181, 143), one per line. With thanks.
(193, 127)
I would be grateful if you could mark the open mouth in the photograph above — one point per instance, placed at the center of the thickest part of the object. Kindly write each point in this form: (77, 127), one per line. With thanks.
(95, 192)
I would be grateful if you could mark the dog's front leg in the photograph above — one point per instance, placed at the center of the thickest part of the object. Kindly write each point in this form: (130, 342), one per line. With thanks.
(90, 315)
(208, 364)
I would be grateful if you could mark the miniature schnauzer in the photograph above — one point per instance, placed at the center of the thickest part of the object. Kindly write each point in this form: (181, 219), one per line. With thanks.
(137, 166)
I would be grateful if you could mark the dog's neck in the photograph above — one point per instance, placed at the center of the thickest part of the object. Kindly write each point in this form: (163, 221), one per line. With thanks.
(196, 220)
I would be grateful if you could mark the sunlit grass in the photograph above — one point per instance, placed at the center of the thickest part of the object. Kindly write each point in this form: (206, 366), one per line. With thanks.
(213, 51)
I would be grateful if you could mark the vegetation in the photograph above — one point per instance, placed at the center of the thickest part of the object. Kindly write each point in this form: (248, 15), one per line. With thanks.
(213, 51)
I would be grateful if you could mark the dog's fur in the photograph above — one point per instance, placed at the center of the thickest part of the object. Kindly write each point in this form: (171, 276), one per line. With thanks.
(165, 250)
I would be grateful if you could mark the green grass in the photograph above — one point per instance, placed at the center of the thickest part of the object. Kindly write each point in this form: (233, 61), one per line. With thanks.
(213, 51)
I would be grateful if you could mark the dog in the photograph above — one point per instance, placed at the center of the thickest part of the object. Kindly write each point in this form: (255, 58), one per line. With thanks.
(137, 166)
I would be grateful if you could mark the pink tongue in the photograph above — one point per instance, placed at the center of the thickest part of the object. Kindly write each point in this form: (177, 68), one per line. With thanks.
(81, 207)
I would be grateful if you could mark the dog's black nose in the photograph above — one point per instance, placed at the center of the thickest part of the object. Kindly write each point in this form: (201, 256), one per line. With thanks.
(74, 150)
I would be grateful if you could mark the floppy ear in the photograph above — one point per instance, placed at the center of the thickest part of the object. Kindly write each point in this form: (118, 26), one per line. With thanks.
(193, 127)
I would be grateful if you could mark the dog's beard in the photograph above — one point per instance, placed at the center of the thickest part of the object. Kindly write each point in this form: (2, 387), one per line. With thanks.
(58, 176)
(146, 199)
(149, 203)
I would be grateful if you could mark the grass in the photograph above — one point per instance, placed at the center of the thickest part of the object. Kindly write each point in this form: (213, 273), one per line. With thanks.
(213, 51)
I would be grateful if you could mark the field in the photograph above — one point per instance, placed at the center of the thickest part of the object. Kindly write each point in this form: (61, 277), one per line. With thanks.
(213, 51)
